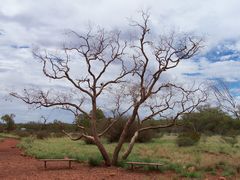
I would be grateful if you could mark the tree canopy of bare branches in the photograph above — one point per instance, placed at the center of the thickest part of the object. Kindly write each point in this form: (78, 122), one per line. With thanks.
(131, 74)
(226, 100)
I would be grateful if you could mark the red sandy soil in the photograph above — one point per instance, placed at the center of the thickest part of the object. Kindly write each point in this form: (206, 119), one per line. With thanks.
(15, 166)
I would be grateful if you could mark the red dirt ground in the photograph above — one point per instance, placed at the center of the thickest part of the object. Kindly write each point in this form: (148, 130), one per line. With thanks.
(14, 166)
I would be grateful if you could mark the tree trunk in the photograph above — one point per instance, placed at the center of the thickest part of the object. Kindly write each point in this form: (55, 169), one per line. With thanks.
(103, 151)
(130, 146)
(97, 141)
(123, 136)
(120, 143)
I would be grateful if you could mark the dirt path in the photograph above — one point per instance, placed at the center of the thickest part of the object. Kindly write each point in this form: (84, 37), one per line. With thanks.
(15, 166)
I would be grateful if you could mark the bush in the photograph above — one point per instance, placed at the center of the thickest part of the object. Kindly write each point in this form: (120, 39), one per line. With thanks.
(88, 141)
(230, 140)
(192, 174)
(1, 128)
(57, 134)
(178, 168)
(146, 136)
(95, 161)
(188, 139)
(115, 132)
(22, 133)
(221, 165)
(42, 135)
(229, 172)
(9, 121)
(26, 143)
(29, 140)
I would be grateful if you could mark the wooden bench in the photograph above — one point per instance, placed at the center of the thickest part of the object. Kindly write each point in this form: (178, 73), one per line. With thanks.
(46, 160)
(143, 164)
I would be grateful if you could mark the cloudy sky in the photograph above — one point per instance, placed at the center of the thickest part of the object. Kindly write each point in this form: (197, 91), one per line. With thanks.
(28, 23)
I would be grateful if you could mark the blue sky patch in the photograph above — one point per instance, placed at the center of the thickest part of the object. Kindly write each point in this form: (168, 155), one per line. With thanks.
(20, 47)
(224, 51)
(192, 74)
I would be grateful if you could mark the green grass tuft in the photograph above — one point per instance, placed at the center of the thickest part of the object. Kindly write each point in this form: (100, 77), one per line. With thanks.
(95, 161)
(7, 135)
(192, 174)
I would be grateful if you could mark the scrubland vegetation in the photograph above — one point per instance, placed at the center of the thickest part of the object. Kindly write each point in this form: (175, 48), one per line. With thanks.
(211, 155)
(204, 142)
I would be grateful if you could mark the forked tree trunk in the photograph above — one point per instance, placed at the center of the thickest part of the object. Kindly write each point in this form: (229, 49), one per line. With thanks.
(97, 141)
(103, 151)
(120, 143)
(130, 146)
(123, 136)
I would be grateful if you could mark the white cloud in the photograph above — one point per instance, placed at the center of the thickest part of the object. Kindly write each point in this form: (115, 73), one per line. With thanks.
(30, 23)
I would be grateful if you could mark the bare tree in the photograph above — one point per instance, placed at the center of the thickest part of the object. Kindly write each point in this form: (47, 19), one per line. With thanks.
(138, 69)
(43, 123)
(97, 53)
(226, 100)
(164, 55)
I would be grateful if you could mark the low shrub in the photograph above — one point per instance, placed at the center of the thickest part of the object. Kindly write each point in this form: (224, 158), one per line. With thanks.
(230, 140)
(88, 141)
(29, 140)
(229, 172)
(237, 167)
(122, 163)
(192, 174)
(221, 165)
(208, 169)
(26, 142)
(178, 168)
(22, 133)
(146, 136)
(57, 134)
(42, 135)
(1, 128)
(188, 139)
(95, 161)
(115, 132)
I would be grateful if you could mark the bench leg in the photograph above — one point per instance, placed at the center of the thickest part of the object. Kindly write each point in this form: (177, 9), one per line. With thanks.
(69, 165)
(45, 164)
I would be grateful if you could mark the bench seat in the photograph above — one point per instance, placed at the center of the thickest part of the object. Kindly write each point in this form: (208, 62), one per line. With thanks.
(47, 160)
(143, 163)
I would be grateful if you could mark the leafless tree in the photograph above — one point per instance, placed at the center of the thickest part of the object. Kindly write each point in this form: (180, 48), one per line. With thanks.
(141, 67)
(43, 123)
(97, 52)
(226, 100)
(164, 55)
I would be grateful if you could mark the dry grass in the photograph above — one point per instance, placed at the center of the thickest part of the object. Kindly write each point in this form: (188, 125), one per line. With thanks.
(210, 150)
(7, 135)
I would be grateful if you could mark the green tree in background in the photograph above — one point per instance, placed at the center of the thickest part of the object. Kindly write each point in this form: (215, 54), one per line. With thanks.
(209, 120)
(9, 120)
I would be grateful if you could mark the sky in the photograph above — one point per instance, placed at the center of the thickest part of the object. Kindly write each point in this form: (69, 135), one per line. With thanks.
(27, 24)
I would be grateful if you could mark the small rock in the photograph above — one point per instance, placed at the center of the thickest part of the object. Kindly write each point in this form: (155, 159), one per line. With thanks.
(112, 174)
(191, 169)
(222, 178)
(22, 154)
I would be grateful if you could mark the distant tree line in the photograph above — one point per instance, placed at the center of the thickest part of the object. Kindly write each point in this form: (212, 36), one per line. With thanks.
(206, 120)
(211, 120)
